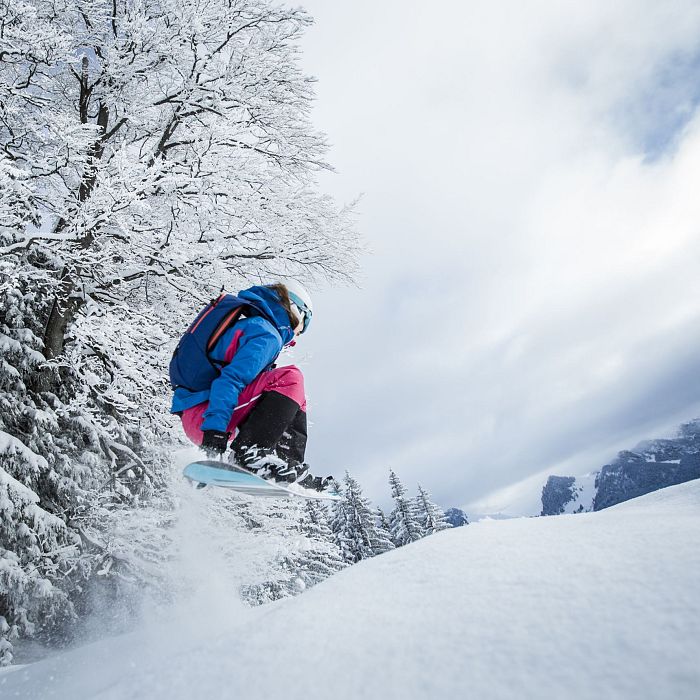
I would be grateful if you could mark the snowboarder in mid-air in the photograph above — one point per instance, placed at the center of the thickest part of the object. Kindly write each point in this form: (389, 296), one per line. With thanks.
(228, 389)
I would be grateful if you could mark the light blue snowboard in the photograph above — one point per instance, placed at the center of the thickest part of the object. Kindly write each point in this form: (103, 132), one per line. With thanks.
(229, 476)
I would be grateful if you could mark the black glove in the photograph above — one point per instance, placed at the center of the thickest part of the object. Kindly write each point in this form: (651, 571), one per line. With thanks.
(215, 442)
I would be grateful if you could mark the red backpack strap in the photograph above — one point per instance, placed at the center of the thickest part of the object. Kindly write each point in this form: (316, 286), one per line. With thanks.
(225, 324)
(204, 313)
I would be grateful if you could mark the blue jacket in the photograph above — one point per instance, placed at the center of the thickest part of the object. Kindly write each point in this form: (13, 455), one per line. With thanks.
(263, 335)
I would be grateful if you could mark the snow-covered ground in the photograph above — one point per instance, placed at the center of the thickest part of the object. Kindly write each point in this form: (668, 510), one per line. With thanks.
(597, 605)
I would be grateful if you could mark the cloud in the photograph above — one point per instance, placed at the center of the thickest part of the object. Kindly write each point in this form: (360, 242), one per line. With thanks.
(529, 174)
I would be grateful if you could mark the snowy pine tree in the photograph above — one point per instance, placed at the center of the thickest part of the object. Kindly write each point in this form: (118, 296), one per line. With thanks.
(305, 550)
(354, 526)
(150, 153)
(382, 520)
(321, 557)
(268, 530)
(431, 517)
(35, 552)
(403, 521)
(45, 455)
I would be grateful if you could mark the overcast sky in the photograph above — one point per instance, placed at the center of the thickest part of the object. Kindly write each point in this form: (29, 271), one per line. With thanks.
(529, 174)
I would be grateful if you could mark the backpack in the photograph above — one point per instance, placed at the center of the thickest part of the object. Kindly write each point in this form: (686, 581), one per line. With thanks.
(191, 367)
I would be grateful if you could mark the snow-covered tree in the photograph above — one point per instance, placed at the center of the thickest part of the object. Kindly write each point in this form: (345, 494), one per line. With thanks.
(404, 521)
(35, 548)
(259, 540)
(150, 152)
(305, 551)
(168, 143)
(382, 520)
(431, 517)
(321, 557)
(354, 526)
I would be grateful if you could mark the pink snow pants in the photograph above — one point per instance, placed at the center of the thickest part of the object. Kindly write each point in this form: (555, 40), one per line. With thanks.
(284, 380)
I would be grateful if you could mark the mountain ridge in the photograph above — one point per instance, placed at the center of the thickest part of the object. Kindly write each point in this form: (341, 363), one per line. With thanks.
(649, 466)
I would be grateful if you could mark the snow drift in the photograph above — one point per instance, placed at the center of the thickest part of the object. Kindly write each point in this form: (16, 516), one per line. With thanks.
(595, 605)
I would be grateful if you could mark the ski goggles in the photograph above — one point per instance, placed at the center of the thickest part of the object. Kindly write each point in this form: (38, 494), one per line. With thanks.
(303, 309)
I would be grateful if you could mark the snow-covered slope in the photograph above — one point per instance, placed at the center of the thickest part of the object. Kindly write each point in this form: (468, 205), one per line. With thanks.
(596, 605)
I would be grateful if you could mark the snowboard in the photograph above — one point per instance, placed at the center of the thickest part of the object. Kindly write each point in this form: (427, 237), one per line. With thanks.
(229, 476)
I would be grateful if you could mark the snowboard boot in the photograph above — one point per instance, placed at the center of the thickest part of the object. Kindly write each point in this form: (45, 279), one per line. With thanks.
(265, 464)
(275, 469)
(315, 483)
(283, 473)
(252, 459)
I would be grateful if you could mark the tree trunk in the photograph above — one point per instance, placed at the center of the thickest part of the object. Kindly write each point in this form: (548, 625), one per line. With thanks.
(62, 313)
(65, 306)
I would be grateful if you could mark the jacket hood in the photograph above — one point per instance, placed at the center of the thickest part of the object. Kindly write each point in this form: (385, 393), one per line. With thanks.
(266, 301)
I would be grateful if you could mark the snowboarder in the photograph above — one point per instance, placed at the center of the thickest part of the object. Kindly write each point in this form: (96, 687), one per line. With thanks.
(250, 402)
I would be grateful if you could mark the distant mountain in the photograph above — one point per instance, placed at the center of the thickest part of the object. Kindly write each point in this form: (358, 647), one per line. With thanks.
(456, 517)
(568, 494)
(651, 465)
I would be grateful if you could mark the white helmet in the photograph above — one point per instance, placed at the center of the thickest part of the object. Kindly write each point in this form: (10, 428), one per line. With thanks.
(301, 300)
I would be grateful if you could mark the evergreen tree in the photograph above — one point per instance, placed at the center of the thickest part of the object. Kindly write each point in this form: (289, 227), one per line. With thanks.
(357, 533)
(34, 554)
(296, 548)
(321, 557)
(382, 520)
(403, 521)
(274, 530)
(431, 517)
